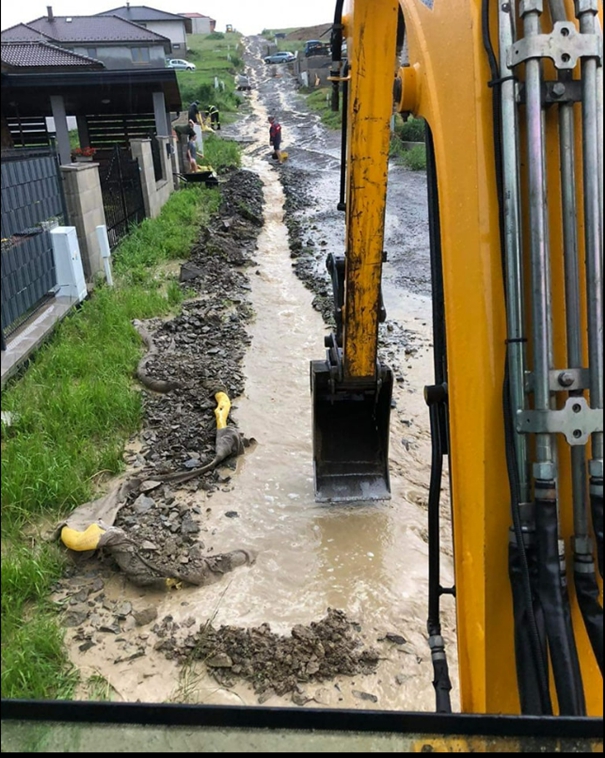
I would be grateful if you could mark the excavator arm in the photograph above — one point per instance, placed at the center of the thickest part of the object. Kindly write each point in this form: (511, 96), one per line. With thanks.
(512, 97)
(351, 389)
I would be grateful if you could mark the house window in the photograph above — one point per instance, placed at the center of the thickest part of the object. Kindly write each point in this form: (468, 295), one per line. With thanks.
(176, 45)
(91, 52)
(140, 54)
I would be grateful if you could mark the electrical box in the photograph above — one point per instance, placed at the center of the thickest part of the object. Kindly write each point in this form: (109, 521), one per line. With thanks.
(68, 263)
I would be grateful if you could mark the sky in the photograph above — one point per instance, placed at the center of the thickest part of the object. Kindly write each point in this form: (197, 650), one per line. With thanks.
(247, 16)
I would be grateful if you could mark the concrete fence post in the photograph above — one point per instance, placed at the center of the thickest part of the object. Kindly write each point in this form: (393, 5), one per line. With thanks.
(155, 194)
(84, 201)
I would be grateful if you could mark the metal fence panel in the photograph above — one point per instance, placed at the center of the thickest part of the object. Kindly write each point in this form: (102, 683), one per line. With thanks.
(123, 203)
(32, 199)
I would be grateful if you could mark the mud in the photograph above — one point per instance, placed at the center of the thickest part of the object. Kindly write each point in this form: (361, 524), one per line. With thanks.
(159, 644)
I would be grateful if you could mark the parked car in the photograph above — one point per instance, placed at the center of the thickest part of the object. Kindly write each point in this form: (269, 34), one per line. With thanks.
(180, 64)
(316, 47)
(281, 57)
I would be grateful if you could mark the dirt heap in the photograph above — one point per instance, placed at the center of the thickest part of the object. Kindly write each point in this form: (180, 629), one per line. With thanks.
(319, 31)
(275, 664)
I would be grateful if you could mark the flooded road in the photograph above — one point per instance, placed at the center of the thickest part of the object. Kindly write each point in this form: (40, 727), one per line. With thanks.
(369, 560)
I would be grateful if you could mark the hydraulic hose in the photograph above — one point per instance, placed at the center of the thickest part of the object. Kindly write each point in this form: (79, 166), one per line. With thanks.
(342, 205)
(557, 617)
(435, 398)
(529, 627)
(587, 592)
(596, 507)
(336, 45)
(533, 695)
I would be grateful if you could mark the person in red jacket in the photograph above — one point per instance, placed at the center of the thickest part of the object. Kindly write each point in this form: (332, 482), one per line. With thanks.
(275, 137)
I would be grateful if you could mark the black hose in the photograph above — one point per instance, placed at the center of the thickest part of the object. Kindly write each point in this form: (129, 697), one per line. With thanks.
(435, 397)
(433, 622)
(557, 617)
(534, 697)
(596, 509)
(336, 47)
(342, 205)
(587, 592)
(529, 627)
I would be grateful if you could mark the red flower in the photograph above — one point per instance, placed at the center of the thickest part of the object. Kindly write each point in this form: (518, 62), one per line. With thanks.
(87, 152)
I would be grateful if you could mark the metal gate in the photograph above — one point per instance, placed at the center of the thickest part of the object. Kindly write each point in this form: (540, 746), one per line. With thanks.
(32, 202)
(122, 194)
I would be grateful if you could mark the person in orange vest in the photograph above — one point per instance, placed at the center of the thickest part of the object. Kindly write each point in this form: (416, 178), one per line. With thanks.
(213, 114)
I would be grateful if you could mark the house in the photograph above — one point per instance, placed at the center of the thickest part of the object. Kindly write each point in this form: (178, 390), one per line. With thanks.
(123, 114)
(200, 24)
(166, 24)
(117, 43)
(39, 55)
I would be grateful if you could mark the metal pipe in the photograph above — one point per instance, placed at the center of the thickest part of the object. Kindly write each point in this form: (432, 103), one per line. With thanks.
(513, 244)
(539, 257)
(572, 296)
(592, 226)
(599, 76)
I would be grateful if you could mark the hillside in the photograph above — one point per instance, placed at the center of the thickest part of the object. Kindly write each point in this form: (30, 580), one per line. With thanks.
(320, 31)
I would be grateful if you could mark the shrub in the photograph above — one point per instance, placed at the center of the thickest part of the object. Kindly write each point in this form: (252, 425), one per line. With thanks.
(216, 35)
(415, 158)
(410, 131)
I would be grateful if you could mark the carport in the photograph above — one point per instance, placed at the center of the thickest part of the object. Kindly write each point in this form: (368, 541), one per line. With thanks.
(89, 95)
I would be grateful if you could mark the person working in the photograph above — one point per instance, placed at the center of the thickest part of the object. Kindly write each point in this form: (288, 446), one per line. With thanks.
(213, 114)
(194, 112)
(192, 152)
(275, 138)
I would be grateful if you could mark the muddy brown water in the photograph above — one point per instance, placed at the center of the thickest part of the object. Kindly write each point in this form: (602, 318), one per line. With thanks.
(369, 560)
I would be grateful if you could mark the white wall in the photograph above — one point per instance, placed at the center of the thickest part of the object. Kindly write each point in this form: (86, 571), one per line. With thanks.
(71, 123)
(200, 25)
(174, 30)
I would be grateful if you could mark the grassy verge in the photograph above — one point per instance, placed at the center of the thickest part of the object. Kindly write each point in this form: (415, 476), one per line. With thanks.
(72, 412)
(221, 154)
(217, 56)
(319, 100)
(414, 158)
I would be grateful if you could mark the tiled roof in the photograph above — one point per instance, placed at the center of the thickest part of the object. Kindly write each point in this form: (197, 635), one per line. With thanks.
(74, 29)
(38, 54)
(21, 33)
(138, 13)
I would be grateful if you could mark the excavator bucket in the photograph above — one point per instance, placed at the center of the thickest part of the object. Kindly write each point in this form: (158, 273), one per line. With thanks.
(350, 438)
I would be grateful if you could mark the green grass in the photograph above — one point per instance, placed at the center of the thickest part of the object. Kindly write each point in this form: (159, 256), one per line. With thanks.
(413, 158)
(221, 154)
(214, 56)
(319, 100)
(33, 659)
(411, 130)
(74, 409)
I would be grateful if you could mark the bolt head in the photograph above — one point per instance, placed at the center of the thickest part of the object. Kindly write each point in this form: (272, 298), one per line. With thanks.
(565, 379)
(558, 89)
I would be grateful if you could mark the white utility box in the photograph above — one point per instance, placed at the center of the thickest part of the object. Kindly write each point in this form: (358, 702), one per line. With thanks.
(68, 263)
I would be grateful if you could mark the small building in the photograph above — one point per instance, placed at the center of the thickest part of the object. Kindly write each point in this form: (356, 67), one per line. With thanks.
(200, 24)
(169, 25)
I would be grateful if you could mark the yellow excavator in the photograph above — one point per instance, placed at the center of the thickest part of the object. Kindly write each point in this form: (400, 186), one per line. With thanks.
(511, 93)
